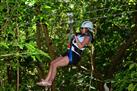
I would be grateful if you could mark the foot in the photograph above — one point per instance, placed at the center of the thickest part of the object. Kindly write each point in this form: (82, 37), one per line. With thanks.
(44, 80)
(44, 83)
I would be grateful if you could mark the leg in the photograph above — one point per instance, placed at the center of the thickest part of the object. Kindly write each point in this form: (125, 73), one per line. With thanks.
(62, 62)
(50, 69)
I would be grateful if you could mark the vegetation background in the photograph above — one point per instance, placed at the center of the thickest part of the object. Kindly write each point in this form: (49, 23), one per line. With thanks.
(33, 32)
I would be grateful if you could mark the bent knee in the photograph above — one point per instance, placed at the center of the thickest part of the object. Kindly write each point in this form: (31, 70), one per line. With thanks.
(53, 64)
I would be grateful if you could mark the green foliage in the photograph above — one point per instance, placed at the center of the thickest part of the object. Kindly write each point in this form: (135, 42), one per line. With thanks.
(18, 28)
(126, 79)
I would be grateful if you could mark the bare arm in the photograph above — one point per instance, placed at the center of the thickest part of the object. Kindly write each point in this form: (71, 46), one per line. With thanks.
(84, 42)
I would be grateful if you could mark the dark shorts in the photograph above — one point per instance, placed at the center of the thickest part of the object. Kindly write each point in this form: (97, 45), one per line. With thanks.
(73, 57)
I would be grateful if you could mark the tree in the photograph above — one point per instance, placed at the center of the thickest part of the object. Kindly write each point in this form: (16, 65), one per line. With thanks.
(33, 32)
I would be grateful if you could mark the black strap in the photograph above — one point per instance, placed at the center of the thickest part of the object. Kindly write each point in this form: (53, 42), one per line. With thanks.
(77, 49)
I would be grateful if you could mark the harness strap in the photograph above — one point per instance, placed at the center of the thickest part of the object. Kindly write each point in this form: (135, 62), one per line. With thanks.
(70, 55)
(77, 49)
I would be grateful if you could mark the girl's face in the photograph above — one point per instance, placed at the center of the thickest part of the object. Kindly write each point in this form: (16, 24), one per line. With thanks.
(84, 30)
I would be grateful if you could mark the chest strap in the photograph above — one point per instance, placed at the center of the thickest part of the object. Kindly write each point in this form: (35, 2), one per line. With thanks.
(77, 49)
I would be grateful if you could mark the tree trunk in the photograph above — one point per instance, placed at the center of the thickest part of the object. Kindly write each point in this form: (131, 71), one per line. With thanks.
(39, 44)
(48, 43)
(42, 28)
(17, 57)
(50, 46)
(39, 41)
(9, 73)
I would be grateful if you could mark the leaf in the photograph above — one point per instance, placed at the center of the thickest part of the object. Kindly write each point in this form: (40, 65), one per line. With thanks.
(92, 87)
(36, 51)
(1, 7)
(131, 66)
(46, 7)
(131, 87)
(3, 44)
(30, 2)
(43, 53)
(31, 48)
(33, 57)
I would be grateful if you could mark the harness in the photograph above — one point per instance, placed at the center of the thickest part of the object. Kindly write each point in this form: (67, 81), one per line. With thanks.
(73, 45)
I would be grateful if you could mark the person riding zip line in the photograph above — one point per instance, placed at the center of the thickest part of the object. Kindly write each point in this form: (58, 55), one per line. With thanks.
(77, 44)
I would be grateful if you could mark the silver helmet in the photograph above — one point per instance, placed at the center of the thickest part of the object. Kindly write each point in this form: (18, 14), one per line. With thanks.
(87, 24)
